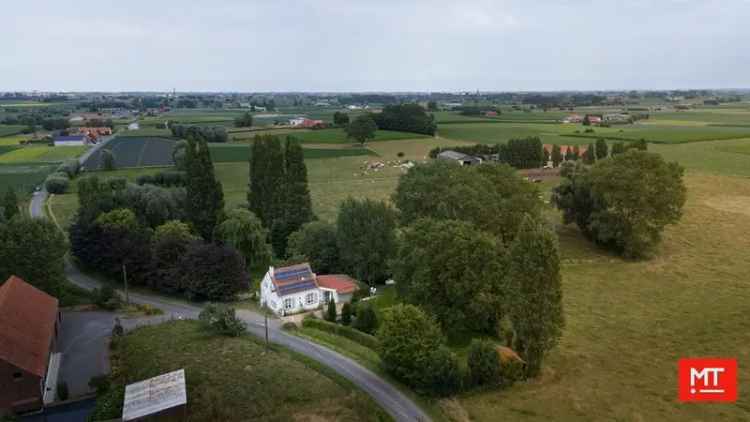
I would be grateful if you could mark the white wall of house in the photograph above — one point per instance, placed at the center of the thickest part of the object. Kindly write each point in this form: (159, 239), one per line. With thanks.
(69, 143)
(306, 300)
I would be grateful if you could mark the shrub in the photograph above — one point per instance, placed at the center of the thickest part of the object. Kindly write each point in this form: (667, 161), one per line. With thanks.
(106, 298)
(100, 383)
(331, 311)
(444, 373)
(408, 337)
(56, 183)
(62, 390)
(346, 314)
(366, 320)
(511, 371)
(70, 167)
(289, 326)
(149, 309)
(221, 319)
(484, 363)
(343, 331)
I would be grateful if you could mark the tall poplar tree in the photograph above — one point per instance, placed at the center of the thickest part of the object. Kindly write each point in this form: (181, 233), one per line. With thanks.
(205, 198)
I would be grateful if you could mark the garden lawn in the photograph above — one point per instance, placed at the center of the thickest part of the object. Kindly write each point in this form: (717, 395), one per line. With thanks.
(237, 379)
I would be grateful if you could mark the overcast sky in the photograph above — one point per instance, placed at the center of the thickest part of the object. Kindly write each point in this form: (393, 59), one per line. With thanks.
(373, 45)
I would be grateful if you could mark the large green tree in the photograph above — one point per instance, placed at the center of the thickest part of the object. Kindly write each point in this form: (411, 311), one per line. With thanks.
(33, 249)
(366, 238)
(625, 202)
(246, 120)
(453, 271)
(362, 129)
(557, 156)
(536, 309)
(408, 336)
(296, 205)
(494, 198)
(10, 204)
(205, 198)
(602, 150)
(266, 190)
(244, 231)
(316, 242)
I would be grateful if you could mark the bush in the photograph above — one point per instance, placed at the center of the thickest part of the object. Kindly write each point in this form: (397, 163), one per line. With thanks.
(366, 320)
(444, 374)
(106, 298)
(346, 314)
(289, 326)
(343, 331)
(56, 183)
(484, 363)
(70, 167)
(330, 314)
(149, 309)
(100, 383)
(221, 319)
(62, 390)
(510, 372)
(164, 179)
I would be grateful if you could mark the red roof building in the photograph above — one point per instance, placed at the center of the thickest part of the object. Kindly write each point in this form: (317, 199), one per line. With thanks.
(29, 324)
(342, 283)
(564, 149)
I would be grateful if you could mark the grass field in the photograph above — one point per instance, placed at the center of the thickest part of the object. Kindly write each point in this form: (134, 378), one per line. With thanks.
(13, 139)
(323, 136)
(7, 130)
(23, 177)
(236, 379)
(490, 133)
(629, 322)
(229, 153)
(41, 154)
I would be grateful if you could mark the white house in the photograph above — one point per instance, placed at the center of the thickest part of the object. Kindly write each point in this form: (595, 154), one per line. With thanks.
(134, 126)
(294, 289)
(70, 141)
(297, 121)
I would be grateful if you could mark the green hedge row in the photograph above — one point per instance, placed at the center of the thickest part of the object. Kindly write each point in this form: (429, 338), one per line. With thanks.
(354, 335)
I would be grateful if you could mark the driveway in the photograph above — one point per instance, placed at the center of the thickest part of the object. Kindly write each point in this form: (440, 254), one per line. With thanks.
(84, 344)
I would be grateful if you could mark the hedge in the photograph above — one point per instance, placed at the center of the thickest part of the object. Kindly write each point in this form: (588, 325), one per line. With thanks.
(354, 335)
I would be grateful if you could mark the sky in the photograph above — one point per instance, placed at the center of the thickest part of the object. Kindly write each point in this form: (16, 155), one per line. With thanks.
(373, 45)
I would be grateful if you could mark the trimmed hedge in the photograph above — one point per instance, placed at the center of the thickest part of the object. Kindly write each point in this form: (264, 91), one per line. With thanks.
(354, 335)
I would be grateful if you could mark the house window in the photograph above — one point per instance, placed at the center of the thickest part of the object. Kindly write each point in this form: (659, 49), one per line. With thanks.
(288, 303)
(311, 298)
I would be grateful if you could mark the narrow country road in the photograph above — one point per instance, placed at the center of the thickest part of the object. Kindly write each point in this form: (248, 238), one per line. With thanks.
(400, 407)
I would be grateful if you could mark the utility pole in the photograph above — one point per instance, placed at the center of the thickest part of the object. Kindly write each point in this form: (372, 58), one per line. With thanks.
(125, 280)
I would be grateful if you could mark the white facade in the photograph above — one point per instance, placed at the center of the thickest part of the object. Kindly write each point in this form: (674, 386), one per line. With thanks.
(302, 301)
(69, 143)
(296, 121)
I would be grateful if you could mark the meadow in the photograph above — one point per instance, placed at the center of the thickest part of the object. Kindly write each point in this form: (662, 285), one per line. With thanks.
(238, 379)
(24, 177)
(40, 154)
(7, 130)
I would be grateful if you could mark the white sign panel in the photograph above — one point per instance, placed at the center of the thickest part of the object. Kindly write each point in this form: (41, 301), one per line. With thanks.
(154, 395)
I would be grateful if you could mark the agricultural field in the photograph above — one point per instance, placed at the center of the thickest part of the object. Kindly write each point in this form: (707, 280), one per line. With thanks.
(323, 136)
(228, 153)
(135, 152)
(7, 130)
(13, 139)
(241, 380)
(39, 154)
(25, 177)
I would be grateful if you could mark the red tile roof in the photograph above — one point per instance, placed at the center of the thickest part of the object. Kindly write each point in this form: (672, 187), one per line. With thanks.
(342, 283)
(27, 325)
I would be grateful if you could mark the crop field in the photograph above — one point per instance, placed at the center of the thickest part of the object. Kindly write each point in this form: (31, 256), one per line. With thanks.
(241, 380)
(7, 130)
(13, 139)
(40, 154)
(23, 178)
(323, 136)
(135, 152)
(490, 133)
(230, 153)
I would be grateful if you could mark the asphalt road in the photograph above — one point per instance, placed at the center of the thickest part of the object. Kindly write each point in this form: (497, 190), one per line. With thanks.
(400, 407)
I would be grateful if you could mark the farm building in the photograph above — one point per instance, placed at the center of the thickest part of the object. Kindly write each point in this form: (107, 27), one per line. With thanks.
(296, 288)
(305, 122)
(94, 133)
(29, 324)
(460, 158)
(617, 118)
(564, 149)
(70, 141)
(490, 114)
(593, 119)
(134, 126)
(573, 118)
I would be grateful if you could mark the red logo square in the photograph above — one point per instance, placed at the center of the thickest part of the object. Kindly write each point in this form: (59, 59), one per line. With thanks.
(708, 380)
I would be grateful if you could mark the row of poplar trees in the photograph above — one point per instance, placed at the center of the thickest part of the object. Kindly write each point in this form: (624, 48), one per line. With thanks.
(278, 192)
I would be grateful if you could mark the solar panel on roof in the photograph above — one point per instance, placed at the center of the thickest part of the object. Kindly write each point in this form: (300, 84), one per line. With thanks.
(296, 287)
(292, 273)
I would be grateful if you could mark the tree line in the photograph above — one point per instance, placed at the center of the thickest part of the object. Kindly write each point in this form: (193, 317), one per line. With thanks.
(208, 133)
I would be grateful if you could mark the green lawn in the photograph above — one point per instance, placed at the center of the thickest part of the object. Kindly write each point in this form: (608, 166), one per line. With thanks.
(41, 154)
(237, 379)
(13, 139)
